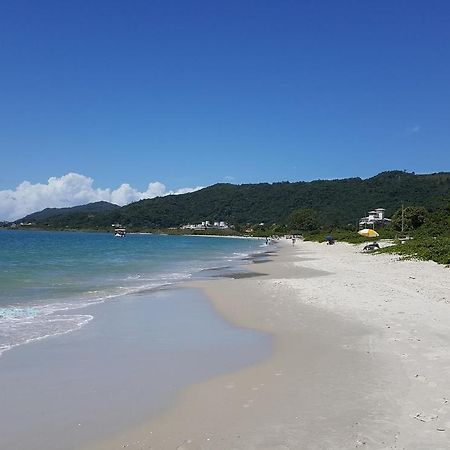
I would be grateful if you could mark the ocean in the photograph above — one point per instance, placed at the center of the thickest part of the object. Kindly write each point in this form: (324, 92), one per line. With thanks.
(47, 279)
(113, 333)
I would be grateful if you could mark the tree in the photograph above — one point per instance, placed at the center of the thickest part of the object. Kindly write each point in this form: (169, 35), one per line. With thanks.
(413, 218)
(304, 219)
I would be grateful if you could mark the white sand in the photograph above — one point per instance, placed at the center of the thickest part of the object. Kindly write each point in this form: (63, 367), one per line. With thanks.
(361, 359)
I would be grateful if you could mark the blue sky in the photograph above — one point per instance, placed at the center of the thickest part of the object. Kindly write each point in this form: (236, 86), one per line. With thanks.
(192, 93)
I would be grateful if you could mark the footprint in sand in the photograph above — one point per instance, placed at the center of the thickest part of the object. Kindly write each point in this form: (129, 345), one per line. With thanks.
(423, 379)
(425, 417)
(185, 445)
(420, 377)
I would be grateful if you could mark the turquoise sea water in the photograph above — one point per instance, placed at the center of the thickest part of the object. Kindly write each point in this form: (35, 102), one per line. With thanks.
(47, 278)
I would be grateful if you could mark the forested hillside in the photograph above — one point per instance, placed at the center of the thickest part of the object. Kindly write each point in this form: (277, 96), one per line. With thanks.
(336, 202)
(90, 208)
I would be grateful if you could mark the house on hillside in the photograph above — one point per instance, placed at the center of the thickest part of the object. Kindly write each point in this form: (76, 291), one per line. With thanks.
(374, 218)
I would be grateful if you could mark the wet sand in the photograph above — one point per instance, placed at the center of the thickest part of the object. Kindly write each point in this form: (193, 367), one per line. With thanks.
(126, 365)
(361, 359)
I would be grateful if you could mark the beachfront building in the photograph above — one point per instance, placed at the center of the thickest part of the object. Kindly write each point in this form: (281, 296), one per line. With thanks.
(374, 218)
(206, 225)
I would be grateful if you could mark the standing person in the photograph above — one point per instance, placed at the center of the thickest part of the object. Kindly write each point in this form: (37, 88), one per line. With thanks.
(293, 240)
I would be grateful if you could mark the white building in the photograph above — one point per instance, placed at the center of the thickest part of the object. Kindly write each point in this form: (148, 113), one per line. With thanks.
(218, 224)
(375, 217)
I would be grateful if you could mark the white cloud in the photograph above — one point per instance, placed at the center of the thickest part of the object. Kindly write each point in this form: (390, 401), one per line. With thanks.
(72, 189)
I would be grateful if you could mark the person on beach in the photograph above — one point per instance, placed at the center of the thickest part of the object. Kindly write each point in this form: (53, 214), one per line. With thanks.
(293, 240)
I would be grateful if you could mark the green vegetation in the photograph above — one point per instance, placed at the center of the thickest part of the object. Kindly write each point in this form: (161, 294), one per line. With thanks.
(336, 203)
(83, 210)
(426, 234)
(424, 248)
(302, 220)
(411, 218)
(315, 209)
(429, 231)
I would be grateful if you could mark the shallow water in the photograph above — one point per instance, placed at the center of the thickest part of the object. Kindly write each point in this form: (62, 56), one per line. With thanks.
(47, 279)
(118, 370)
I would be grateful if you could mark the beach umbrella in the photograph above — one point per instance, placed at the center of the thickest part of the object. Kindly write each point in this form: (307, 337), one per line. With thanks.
(368, 232)
(329, 238)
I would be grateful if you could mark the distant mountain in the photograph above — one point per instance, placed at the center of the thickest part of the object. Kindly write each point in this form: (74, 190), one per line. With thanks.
(90, 208)
(337, 202)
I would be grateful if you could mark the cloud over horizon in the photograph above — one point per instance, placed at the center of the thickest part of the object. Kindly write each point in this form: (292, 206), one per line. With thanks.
(73, 189)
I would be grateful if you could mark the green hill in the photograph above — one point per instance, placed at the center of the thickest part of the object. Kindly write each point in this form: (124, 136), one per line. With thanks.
(337, 202)
(48, 213)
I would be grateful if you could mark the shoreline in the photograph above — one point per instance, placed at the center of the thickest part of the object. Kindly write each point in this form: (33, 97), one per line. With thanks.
(126, 366)
(360, 359)
(108, 231)
(129, 363)
(69, 306)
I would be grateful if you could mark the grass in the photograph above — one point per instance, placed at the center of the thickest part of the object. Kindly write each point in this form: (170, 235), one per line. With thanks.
(424, 248)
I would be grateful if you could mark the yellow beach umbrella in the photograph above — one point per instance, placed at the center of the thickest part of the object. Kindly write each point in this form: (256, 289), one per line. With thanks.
(368, 232)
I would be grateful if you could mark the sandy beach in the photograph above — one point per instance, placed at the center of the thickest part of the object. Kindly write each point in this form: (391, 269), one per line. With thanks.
(361, 359)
